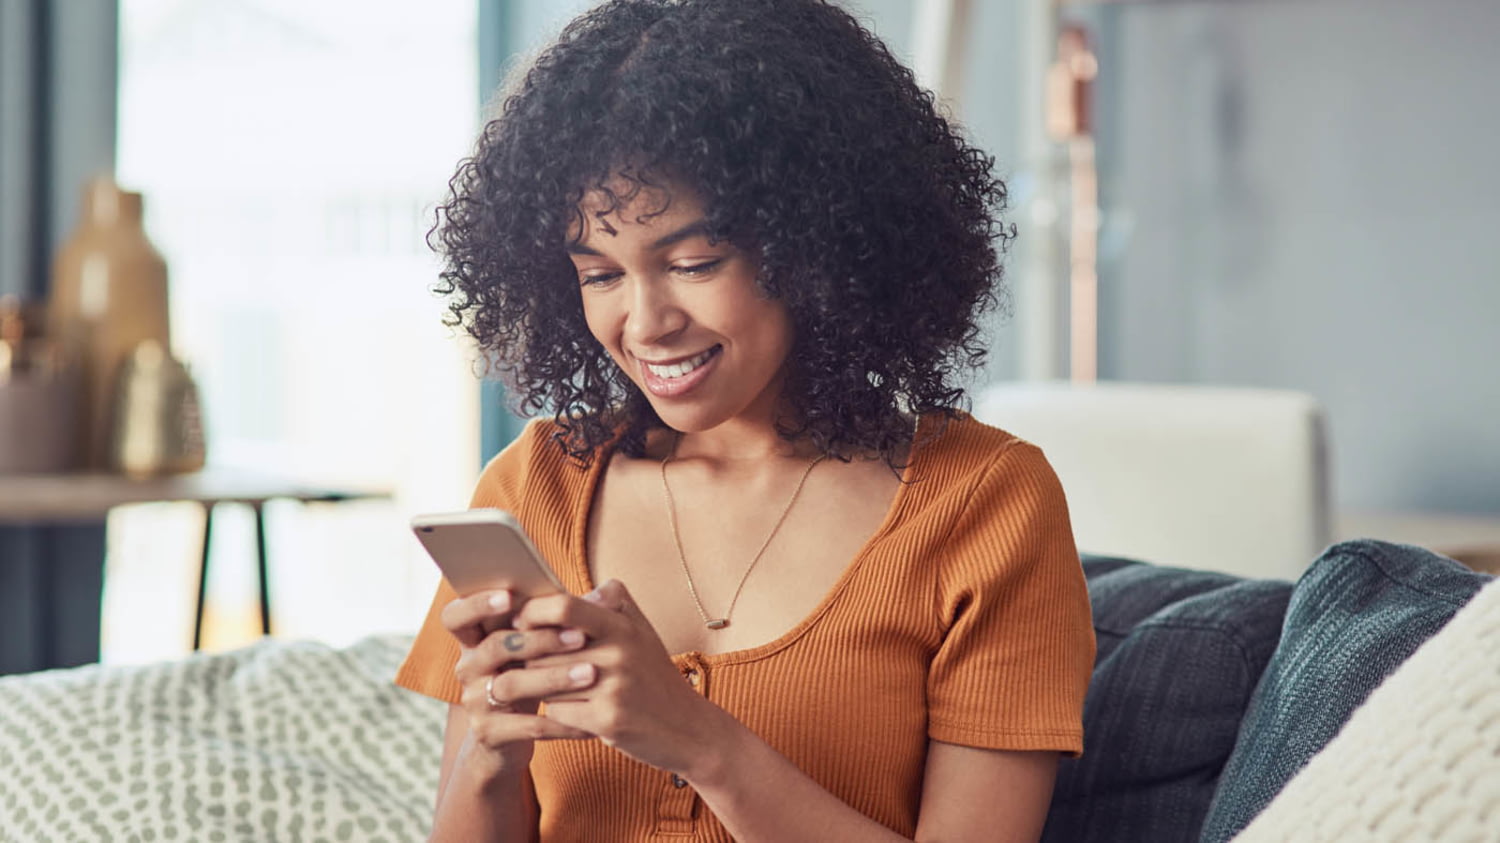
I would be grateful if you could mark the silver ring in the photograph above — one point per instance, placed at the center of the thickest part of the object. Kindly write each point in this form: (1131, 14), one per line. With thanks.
(489, 695)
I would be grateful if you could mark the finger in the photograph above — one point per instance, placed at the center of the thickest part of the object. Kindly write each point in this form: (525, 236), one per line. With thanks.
(577, 715)
(613, 594)
(466, 617)
(477, 664)
(508, 649)
(483, 697)
(497, 729)
(530, 684)
(565, 610)
(512, 645)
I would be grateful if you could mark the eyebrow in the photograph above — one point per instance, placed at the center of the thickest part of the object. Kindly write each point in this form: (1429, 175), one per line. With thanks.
(692, 229)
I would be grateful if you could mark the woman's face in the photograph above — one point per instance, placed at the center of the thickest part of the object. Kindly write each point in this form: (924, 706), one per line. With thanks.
(680, 315)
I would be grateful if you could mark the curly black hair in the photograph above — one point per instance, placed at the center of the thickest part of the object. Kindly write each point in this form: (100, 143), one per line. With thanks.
(811, 147)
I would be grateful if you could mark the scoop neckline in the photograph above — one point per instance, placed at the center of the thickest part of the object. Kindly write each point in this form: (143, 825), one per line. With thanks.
(583, 510)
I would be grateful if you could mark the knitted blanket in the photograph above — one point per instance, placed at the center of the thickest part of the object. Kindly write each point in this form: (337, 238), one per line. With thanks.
(1420, 760)
(279, 741)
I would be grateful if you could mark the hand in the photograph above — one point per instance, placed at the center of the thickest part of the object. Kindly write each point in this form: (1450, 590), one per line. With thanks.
(491, 653)
(637, 701)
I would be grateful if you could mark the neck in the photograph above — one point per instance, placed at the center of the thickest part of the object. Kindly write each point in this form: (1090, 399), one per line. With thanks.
(737, 443)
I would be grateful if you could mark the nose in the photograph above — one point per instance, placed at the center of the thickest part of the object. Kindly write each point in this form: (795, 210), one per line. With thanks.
(653, 314)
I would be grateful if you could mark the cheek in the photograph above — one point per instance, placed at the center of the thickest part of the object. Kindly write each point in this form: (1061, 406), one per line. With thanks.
(596, 317)
(603, 326)
(774, 327)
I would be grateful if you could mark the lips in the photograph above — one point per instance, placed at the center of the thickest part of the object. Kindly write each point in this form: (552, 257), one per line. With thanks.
(669, 380)
(678, 369)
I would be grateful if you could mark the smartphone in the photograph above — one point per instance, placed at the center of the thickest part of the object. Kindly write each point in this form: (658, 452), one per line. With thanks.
(484, 549)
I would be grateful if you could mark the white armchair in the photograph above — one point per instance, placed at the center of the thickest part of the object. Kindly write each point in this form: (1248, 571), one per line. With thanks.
(1229, 478)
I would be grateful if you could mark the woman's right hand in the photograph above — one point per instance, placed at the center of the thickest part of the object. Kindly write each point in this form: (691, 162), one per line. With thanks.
(501, 700)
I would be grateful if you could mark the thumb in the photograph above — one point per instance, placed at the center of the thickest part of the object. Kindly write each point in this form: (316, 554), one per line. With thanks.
(612, 594)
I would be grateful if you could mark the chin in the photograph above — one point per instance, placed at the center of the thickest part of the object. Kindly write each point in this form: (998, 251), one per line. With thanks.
(685, 417)
(687, 421)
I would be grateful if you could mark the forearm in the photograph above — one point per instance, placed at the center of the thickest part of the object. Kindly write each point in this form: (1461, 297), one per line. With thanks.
(760, 795)
(485, 798)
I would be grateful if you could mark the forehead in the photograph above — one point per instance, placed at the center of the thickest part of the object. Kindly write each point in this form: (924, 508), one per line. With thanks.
(633, 202)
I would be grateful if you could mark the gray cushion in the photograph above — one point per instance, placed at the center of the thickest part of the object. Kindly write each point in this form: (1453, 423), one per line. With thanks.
(1180, 653)
(1356, 614)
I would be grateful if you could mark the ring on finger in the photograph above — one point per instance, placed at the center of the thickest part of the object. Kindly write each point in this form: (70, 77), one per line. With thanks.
(489, 695)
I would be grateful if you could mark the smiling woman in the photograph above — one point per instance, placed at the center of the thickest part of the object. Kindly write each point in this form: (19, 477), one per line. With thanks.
(737, 257)
(861, 206)
(680, 313)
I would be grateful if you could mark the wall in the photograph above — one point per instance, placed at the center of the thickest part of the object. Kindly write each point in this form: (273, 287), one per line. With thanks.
(987, 105)
(57, 127)
(1301, 195)
(1296, 194)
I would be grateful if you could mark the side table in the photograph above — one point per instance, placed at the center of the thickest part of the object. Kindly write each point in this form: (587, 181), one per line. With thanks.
(60, 507)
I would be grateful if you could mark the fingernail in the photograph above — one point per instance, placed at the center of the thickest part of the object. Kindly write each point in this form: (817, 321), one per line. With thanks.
(500, 602)
(570, 637)
(593, 596)
(581, 673)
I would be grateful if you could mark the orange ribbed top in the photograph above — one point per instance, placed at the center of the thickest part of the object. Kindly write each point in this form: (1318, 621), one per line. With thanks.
(964, 619)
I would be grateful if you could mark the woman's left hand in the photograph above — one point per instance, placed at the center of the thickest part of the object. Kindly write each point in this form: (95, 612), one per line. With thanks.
(639, 703)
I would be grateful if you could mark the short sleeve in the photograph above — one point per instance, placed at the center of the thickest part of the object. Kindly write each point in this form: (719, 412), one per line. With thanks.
(1018, 650)
(428, 667)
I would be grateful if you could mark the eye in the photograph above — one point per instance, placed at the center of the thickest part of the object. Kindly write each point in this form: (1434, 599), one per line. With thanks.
(598, 279)
(695, 270)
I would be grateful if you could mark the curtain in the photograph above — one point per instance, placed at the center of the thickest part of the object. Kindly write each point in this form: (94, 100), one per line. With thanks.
(57, 129)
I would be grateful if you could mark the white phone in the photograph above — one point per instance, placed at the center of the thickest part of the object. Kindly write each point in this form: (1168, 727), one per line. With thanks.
(484, 549)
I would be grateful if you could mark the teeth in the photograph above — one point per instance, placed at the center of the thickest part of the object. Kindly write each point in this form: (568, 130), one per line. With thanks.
(677, 370)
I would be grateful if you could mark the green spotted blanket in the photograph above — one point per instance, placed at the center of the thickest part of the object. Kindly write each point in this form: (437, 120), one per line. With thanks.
(281, 741)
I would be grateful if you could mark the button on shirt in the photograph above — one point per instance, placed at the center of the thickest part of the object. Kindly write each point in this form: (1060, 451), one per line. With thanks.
(678, 805)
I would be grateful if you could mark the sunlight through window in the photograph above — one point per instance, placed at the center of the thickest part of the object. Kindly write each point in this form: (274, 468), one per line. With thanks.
(290, 155)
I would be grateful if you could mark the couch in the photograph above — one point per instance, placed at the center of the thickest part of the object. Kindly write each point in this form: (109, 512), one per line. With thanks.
(1211, 692)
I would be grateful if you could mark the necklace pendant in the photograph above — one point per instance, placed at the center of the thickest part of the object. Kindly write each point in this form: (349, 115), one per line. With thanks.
(720, 623)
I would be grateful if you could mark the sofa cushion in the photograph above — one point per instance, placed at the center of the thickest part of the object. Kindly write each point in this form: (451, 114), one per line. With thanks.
(1179, 655)
(1355, 615)
(1412, 762)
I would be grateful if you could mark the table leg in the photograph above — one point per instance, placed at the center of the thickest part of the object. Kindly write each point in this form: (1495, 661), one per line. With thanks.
(260, 559)
(208, 531)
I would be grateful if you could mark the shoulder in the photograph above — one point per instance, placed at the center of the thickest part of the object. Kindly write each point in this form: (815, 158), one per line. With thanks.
(996, 503)
(535, 461)
(967, 458)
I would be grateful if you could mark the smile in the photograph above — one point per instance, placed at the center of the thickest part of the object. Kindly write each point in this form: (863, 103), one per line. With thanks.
(677, 370)
(681, 378)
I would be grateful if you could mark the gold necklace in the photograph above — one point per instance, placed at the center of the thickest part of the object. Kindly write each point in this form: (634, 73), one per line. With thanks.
(720, 623)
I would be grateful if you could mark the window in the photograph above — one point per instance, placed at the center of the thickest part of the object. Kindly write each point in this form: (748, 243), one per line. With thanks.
(290, 155)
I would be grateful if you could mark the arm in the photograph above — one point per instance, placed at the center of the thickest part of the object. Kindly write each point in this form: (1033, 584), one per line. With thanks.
(968, 794)
(985, 794)
(484, 791)
(480, 796)
(638, 703)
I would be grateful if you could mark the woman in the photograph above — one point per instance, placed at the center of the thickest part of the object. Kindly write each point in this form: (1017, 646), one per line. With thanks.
(736, 255)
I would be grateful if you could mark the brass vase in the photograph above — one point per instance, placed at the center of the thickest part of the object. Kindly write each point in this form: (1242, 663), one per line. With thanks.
(158, 426)
(109, 294)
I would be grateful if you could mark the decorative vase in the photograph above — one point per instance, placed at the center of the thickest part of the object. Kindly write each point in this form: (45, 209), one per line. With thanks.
(109, 294)
(158, 427)
(37, 398)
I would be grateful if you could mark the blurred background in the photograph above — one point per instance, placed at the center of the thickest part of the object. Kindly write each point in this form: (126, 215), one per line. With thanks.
(1288, 194)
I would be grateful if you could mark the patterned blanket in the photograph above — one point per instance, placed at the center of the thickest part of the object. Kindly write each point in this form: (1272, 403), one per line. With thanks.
(279, 741)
